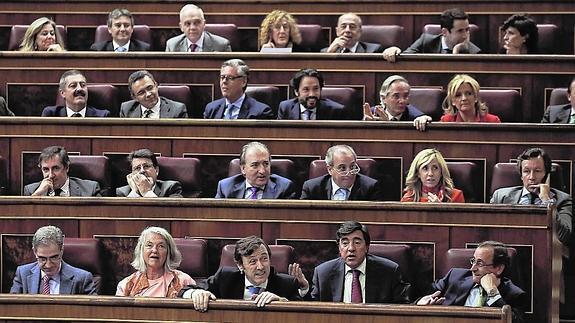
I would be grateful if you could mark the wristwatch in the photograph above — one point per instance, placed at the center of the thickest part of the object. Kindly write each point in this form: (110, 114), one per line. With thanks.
(493, 292)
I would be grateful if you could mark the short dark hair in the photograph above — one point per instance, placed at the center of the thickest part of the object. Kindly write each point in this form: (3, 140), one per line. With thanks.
(117, 13)
(351, 226)
(138, 75)
(535, 153)
(500, 255)
(52, 151)
(449, 15)
(526, 26)
(143, 153)
(311, 72)
(246, 246)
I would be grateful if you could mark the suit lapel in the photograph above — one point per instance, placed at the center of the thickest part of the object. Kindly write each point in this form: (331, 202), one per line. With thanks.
(164, 108)
(372, 284)
(33, 280)
(135, 110)
(564, 114)
(238, 190)
(221, 109)
(66, 279)
(244, 109)
(62, 112)
(360, 48)
(207, 46)
(465, 287)
(329, 188)
(158, 189)
(514, 196)
(74, 188)
(270, 190)
(356, 190)
(337, 276)
(295, 111)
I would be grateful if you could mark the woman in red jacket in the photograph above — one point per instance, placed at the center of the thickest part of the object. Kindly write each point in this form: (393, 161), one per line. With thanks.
(462, 102)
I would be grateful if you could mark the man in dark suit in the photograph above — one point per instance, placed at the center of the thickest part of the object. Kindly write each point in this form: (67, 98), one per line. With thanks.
(343, 181)
(253, 279)
(146, 103)
(308, 104)
(481, 285)
(562, 113)
(256, 181)
(143, 180)
(235, 104)
(394, 96)
(534, 166)
(348, 32)
(50, 274)
(55, 164)
(194, 37)
(73, 88)
(454, 38)
(356, 276)
(121, 27)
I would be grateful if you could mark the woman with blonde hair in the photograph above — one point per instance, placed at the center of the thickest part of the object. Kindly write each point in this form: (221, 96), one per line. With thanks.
(42, 35)
(279, 30)
(428, 180)
(462, 102)
(156, 258)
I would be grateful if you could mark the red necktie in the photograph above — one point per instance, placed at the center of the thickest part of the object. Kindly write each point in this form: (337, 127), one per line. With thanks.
(193, 47)
(356, 294)
(46, 285)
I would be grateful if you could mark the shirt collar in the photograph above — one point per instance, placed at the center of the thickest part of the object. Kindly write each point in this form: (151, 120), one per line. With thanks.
(444, 43)
(247, 283)
(199, 43)
(390, 116)
(65, 189)
(70, 112)
(303, 109)
(238, 103)
(155, 109)
(335, 187)
(361, 266)
(353, 48)
(116, 45)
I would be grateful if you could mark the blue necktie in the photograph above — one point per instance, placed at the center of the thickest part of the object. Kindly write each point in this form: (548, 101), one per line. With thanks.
(254, 290)
(341, 194)
(229, 113)
(121, 49)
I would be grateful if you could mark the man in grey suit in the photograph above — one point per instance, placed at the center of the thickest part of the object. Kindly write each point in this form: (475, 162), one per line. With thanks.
(235, 104)
(308, 104)
(534, 166)
(50, 274)
(143, 180)
(454, 38)
(55, 164)
(256, 181)
(348, 32)
(194, 37)
(146, 103)
(564, 113)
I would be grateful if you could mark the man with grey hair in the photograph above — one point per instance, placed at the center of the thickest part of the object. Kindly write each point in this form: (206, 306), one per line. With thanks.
(235, 104)
(121, 28)
(394, 96)
(50, 274)
(256, 180)
(348, 32)
(343, 181)
(73, 88)
(194, 37)
(146, 101)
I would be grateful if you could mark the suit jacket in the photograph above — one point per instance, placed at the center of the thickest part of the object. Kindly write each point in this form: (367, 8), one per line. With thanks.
(4, 111)
(78, 187)
(458, 282)
(229, 283)
(212, 43)
(168, 109)
(557, 114)
(72, 280)
(410, 113)
(365, 188)
(364, 47)
(277, 188)
(60, 111)
(563, 201)
(135, 46)
(383, 282)
(250, 109)
(326, 110)
(431, 44)
(162, 189)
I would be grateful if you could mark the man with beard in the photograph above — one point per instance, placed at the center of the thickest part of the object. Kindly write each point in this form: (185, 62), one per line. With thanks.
(143, 180)
(343, 181)
(308, 104)
(121, 28)
(74, 89)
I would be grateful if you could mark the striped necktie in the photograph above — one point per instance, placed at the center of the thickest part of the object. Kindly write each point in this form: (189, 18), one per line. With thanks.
(46, 285)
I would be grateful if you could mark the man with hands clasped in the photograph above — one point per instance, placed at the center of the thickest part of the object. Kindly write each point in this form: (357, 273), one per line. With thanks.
(254, 279)
(481, 285)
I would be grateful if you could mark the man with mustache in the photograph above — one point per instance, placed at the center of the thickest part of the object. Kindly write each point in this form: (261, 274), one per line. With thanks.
(121, 27)
(74, 89)
(143, 180)
(256, 180)
(254, 279)
(357, 276)
(308, 104)
(481, 285)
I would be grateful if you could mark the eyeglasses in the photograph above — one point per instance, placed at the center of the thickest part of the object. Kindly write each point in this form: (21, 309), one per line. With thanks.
(343, 171)
(52, 259)
(145, 167)
(478, 262)
(229, 77)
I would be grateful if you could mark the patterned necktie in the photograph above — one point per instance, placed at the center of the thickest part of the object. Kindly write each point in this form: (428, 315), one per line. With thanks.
(57, 192)
(193, 47)
(481, 297)
(572, 119)
(356, 294)
(254, 193)
(121, 49)
(341, 194)
(229, 113)
(147, 113)
(46, 285)
(76, 115)
(254, 290)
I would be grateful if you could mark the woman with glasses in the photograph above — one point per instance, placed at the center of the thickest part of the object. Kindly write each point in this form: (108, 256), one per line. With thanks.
(156, 258)
(42, 35)
(279, 30)
(462, 102)
(428, 180)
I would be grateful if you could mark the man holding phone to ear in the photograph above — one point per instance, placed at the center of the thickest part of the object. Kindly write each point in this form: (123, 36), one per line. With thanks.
(534, 165)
